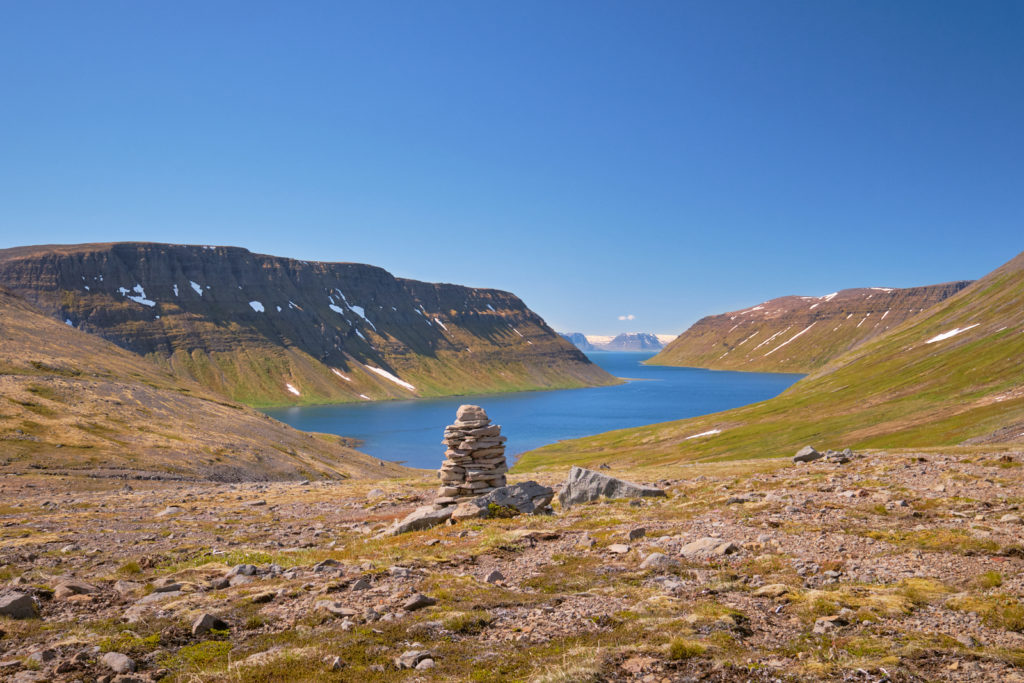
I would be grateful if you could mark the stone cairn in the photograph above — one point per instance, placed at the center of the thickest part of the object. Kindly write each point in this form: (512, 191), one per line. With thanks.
(475, 460)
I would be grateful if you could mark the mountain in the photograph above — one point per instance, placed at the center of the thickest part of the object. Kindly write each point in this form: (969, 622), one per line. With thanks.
(73, 401)
(578, 340)
(798, 333)
(633, 341)
(266, 330)
(950, 375)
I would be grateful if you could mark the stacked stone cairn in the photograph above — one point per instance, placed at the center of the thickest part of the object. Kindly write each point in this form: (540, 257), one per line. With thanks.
(475, 460)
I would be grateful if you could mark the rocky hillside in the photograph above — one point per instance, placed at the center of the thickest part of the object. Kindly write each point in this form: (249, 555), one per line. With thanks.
(272, 331)
(950, 375)
(72, 401)
(896, 566)
(798, 333)
(633, 341)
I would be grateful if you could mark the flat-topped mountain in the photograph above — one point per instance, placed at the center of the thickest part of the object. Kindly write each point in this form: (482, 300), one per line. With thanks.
(798, 333)
(71, 401)
(951, 375)
(266, 330)
(634, 341)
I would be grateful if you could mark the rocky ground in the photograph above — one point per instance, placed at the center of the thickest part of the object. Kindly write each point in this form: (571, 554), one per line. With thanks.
(893, 566)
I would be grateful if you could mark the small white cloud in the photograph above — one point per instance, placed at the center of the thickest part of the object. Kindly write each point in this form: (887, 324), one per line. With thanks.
(627, 317)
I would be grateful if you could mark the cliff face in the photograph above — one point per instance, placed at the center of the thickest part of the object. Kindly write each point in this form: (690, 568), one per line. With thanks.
(73, 401)
(270, 331)
(798, 333)
(578, 340)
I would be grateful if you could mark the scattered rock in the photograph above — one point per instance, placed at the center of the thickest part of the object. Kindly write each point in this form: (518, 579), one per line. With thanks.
(118, 663)
(410, 658)
(772, 590)
(206, 622)
(658, 561)
(585, 485)
(418, 601)
(18, 605)
(708, 546)
(421, 518)
(806, 454)
(66, 589)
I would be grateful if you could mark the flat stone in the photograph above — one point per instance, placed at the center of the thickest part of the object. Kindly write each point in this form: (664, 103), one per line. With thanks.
(468, 413)
(66, 589)
(585, 485)
(618, 548)
(708, 546)
(418, 601)
(772, 590)
(421, 518)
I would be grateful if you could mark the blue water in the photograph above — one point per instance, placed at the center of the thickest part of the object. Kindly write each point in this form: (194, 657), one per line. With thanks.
(410, 431)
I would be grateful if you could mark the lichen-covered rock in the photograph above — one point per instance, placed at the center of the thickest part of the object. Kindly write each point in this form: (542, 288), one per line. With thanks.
(585, 485)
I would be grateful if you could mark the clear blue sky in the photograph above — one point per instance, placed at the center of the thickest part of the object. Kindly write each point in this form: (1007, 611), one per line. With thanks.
(663, 160)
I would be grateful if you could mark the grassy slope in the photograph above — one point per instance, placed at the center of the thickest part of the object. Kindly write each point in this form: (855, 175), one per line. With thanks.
(894, 391)
(70, 400)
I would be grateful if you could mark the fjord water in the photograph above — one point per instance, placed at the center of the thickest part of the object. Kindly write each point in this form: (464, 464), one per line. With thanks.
(410, 431)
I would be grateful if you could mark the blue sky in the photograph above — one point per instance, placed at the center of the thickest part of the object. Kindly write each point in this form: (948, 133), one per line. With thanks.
(661, 160)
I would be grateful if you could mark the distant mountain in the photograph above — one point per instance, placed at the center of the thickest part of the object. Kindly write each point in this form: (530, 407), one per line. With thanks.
(578, 340)
(266, 330)
(76, 402)
(950, 375)
(798, 333)
(634, 341)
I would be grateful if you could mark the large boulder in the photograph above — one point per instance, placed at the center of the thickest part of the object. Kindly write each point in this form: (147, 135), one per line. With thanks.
(527, 497)
(584, 485)
(422, 517)
(18, 605)
(806, 454)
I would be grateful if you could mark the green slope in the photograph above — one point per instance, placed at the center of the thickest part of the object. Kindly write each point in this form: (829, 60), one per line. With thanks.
(897, 390)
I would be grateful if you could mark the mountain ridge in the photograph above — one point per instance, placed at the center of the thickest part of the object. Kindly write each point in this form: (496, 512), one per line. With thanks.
(268, 330)
(799, 333)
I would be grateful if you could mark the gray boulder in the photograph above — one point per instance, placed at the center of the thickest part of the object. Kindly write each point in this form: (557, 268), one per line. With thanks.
(584, 485)
(18, 605)
(806, 454)
(527, 497)
(118, 663)
(206, 622)
(421, 518)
